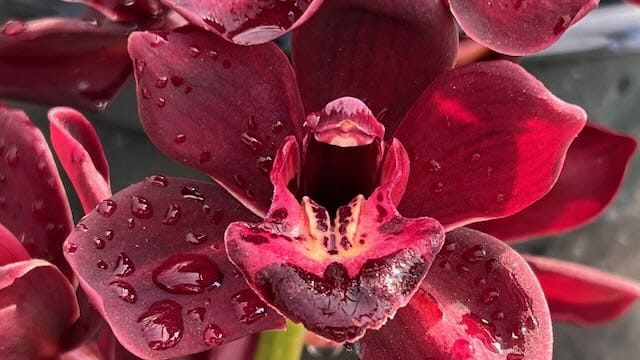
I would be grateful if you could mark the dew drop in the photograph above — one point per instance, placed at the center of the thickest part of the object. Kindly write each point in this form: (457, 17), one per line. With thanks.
(248, 306)
(70, 247)
(131, 223)
(474, 158)
(474, 254)
(108, 235)
(82, 227)
(140, 207)
(161, 102)
(190, 192)
(187, 274)
(277, 127)
(102, 265)
(436, 188)
(172, 215)
(124, 291)
(500, 198)
(100, 243)
(146, 93)
(213, 335)
(162, 82)
(106, 208)
(124, 266)
(264, 164)
(194, 51)
(489, 296)
(12, 156)
(251, 142)
(434, 166)
(158, 180)
(196, 238)
(180, 139)
(197, 313)
(162, 325)
(140, 66)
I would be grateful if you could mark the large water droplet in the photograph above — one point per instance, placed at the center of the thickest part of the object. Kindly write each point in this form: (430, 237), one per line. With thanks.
(162, 325)
(124, 266)
(188, 274)
(248, 306)
(107, 207)
(140, 207)
(213, 335)
(124, 291)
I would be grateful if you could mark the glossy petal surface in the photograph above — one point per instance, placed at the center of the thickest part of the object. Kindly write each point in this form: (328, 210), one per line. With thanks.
(518, 27)
(583, 295)
(153, 261)
(485, 141)
(384, 53)
(246, 22)
(590, 178)
(126, 10)
(338, 276)
(479, 301)
(79, 149)
(218, 107)
(11, 250)
(33, 203)
(37, 305)
(63, 62)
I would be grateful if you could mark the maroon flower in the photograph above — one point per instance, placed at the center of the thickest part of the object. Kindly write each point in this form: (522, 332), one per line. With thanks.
(485, 141)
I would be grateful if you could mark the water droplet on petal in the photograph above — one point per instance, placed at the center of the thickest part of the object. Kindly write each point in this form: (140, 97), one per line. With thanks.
(172, 215)
(70, 247)
(190, 192)
(124, 266)
(158, 180)
(474, 158)
(251, 142)
(106, 208)
(196, 239)
(108, 235)
(489, 296)
(131, 223)
(100, 244)
(140, 207)
(12, 156)
(180, 139)
(162, 82)
(277, 127)
(248, 306)
(213, 335)
(434, 166)
(197, 313)
(162, 325)
(187, 274)
(194, 51)
(102, 265)
(124, 291)
(437, 187)
(161, 102)
(264, 164)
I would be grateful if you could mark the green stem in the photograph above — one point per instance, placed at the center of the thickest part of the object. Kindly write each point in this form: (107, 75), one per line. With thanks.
(281, 345)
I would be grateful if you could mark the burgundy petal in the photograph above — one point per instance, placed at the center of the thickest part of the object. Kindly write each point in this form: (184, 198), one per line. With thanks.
(518, 27)
(583, 295)
(479, 301)
(153, 261)
(11, 250)
(246, 22)
(485, 141)
(79, 149)
(126, 10)
(63, 62)
(339, 278)
(592, 173)
(37, 305)
(218, 107)
(382, 52)
(33, 203)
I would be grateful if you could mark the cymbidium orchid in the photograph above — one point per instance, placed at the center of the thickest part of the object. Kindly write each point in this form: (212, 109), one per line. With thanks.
(64, 61)
(341, 204)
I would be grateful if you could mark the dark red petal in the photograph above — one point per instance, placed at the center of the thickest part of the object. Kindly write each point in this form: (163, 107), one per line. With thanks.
(37, 305)
(152, 259)
(126, 10)
(479, 301)
(33, 203)
(63, 62)
(583, 295)
(11, 250)
(485, 141)
(246, 22)
(337, 279)
(79, 149)
(518, 27)
(593, 171)
(382, 52)
(218, 107)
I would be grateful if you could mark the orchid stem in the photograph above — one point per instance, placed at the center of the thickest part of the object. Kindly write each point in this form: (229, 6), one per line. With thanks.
(281, 345)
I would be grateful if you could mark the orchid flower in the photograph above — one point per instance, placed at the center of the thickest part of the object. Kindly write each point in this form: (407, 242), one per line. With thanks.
(340, 213)
(62, 61)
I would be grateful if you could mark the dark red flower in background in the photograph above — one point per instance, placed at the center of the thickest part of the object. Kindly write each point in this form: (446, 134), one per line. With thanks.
(63, 61)
(483, 142)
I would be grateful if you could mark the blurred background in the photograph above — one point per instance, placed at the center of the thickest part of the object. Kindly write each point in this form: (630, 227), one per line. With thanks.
(595, 65)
